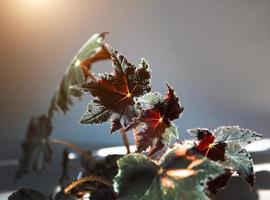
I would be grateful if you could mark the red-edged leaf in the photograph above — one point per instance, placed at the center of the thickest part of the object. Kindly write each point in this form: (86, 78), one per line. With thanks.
(226, 144)
(208, 147)
(154, 123)
(173, 108)
(114, 92)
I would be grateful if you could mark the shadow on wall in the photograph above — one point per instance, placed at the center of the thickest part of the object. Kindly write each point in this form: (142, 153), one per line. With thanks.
(237, 188)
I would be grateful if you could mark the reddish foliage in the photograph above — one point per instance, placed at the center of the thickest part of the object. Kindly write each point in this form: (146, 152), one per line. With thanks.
(208, 147)
(114, 92)
(156, 119)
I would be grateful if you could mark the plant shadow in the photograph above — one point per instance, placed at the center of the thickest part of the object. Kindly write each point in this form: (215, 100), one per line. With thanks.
(237, 189)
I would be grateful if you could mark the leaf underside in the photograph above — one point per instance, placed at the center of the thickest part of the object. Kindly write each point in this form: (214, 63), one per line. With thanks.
(77, 73)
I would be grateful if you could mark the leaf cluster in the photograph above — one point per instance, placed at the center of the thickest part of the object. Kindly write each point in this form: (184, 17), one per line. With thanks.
(163, 167)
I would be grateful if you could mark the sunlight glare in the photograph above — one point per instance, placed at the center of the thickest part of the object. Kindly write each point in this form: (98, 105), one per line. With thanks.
(35, 3)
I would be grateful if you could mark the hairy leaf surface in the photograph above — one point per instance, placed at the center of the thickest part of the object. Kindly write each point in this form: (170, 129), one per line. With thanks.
(153, 125)
(114, 93)
(239, 160)
(208, 146)
(226, 145)
(235, 134)
(180, 174)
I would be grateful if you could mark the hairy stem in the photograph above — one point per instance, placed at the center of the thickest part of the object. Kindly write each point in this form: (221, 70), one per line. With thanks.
(125, 139)
(77, 149)
(87, 179)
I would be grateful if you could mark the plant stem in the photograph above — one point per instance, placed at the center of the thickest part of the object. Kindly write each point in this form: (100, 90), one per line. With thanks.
(92, 76)
(77, 149)
(86, 71)
(125, 140)
(135, 131)
(87, 179)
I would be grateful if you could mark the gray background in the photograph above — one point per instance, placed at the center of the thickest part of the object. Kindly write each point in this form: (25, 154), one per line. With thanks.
(216, 54)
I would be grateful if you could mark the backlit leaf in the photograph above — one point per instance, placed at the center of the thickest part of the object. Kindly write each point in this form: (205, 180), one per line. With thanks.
(78, 71)
(226, 145)
(240, 161)
(234, 134)
(153, 125)
(208, 146)
(114, 93)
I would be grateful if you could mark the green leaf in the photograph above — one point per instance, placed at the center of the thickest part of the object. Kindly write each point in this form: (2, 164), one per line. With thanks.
(235, 156)
(180, 174)
(240, 161)
(35, 149)
(96, 113)
(27, 194)
(135, 176)
(234, 134)
(78, 71)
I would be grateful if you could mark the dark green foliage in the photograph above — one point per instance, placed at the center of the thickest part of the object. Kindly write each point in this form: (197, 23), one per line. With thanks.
(35, 149)
(168, 169)
(105, 167)
(27, 194)
(179, 173)
(228, 143)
